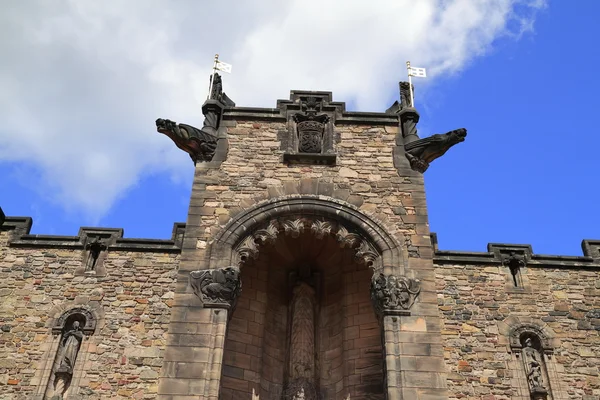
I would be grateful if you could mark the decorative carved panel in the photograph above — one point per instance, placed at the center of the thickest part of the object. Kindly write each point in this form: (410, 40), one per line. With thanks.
(392, 294)
(310, 135)
(217, 287)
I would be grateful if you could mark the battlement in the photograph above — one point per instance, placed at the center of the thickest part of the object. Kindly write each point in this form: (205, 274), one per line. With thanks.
(18, 229)
(497, 253)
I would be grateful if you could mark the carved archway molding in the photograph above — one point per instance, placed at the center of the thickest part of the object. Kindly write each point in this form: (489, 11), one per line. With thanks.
(514, 327)
(249, 248)
(243, 236)
(92, 311)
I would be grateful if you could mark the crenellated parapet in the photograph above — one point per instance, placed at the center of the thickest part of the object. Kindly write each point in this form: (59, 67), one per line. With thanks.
(89, 238)
(516, 256)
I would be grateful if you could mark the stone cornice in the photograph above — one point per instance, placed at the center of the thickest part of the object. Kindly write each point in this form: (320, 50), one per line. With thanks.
(19, 228)
(497, 253)
(284, 107)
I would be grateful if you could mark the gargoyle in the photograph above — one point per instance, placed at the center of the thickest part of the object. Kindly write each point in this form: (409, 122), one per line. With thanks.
(200, 144)
(422, 152)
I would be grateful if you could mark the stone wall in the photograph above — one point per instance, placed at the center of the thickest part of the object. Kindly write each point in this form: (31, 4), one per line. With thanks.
(132, 302)
(480, 304)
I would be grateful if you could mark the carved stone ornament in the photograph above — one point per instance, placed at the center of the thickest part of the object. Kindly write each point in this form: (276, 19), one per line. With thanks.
(88, 327)
(533, 362)
(217, 287)
(514, 261)
(200, 144)
(393, 294)
(249, 247)
(517, 333)
(94, 247)
(310, 127)
(421, 152)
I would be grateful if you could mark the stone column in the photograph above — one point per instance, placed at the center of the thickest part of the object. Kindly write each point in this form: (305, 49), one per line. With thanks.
(413, 355)
(302, 371)
(194, 354)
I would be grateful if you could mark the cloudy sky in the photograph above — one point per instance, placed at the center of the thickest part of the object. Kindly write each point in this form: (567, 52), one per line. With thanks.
(83, 82)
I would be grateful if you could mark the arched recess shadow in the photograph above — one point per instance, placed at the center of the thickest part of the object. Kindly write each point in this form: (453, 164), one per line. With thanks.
(390, 253)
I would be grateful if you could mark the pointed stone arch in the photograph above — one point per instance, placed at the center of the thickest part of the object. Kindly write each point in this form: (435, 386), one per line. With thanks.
(245, 234)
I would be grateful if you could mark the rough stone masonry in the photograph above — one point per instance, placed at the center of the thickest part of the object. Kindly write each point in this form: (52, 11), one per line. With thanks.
(305, 270)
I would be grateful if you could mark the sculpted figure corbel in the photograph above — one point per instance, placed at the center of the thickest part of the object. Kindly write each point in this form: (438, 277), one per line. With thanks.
(393, 294)
(217, 287)
(200, 144)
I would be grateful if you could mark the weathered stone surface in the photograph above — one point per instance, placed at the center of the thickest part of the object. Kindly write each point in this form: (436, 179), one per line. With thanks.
(125, 351)
(474, 303)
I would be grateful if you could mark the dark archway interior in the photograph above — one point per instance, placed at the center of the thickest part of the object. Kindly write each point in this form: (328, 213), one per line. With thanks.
(348, 356)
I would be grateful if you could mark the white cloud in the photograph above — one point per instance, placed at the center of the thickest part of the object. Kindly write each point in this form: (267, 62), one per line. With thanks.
(83, 81)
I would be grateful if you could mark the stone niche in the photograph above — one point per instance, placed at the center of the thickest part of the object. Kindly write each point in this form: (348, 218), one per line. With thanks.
(304, 326)
(310, 136)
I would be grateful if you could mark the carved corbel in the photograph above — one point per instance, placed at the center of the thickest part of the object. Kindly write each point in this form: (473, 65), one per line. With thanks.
(347, 239)
(515, 261)
(393, 295)
(293, 227)
(365, 254)
(217, 288)
(267, 235)
(321, 228)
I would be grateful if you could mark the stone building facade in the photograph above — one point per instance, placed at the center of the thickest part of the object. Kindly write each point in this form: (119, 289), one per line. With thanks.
(305, 270)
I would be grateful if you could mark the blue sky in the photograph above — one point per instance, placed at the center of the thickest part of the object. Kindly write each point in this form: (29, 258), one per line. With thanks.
(79, 146)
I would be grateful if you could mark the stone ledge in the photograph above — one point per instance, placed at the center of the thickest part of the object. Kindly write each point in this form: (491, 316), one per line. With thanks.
(19, 228)
(590, 259)
(309, 158)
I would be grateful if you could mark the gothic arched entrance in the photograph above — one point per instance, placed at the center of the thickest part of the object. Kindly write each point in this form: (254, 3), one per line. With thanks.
(304, 324)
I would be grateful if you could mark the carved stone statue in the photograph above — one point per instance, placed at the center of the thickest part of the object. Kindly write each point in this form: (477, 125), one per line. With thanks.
(200, 144)
(391, 293)
(302, 371)
(65, 362)
(299, 395)
(311, 127)
(405, 89)
(422, 152)
(95, 247)
(217, 287)
(533, 369)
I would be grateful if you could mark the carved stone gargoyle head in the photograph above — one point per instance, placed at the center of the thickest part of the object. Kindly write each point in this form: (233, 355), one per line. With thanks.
(422, 152)
(199, 144)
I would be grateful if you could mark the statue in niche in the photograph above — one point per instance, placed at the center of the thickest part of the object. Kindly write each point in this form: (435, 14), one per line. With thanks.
(302, 371)
(534, 362)
(200, 144)
(66, 358)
